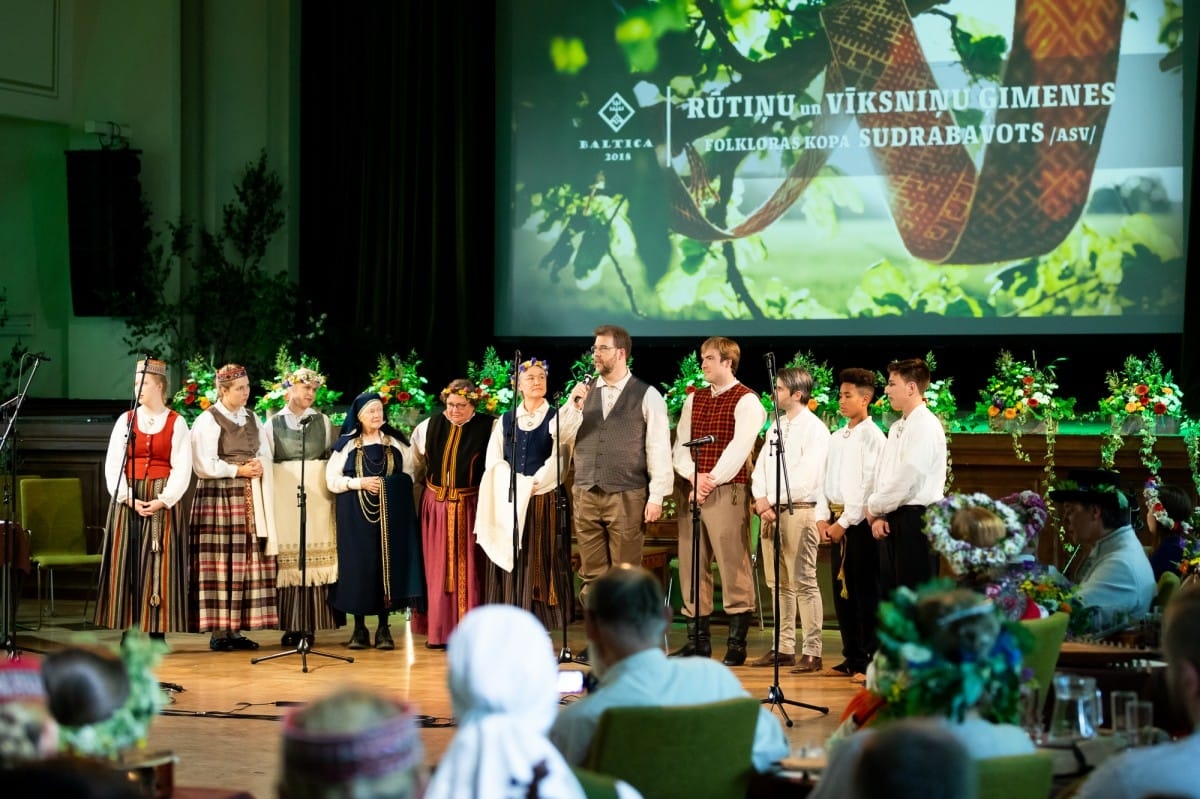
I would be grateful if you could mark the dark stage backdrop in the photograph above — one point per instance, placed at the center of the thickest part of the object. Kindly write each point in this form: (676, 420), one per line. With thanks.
(405, 174)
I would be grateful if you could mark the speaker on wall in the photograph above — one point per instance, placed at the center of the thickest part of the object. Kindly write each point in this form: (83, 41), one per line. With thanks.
(106, 231)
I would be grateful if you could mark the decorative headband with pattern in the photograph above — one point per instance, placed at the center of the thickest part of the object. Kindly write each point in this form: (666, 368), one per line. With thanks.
(153, 366)
(227, 374)
(391, 746)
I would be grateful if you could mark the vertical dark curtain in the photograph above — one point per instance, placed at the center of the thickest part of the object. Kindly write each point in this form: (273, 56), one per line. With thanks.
(397, 151)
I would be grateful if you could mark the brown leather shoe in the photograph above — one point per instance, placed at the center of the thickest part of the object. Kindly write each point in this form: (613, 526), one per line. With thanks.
(785, 659)
(807, 665)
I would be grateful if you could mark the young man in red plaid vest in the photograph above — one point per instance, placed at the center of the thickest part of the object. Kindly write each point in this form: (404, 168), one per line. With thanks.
(731, 414)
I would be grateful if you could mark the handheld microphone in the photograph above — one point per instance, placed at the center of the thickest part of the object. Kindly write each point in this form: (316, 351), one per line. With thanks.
(701, 441)
(307, 420)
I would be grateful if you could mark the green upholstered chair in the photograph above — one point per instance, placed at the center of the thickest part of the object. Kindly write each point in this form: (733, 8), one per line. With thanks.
(1048, 635)
(1016, 777)
(661, 750)
(1167, 584)
(52, 515)
(595, 786)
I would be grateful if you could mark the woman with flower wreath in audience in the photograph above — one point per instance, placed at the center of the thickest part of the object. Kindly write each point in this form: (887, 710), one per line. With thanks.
(988, 545)
(379, 552)
(540, 569)
(1169, 512)
(453, 445)
(232, 530)
(946, 653)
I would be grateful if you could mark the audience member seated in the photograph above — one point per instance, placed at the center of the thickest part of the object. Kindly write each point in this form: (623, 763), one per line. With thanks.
(103, 704)
(1116, 583)
(946, 653)
(1169, 512)
(351, 744)
(27, 731)
(503, 677)
(1166, 769)
(914, 759)
(987, 544)
(625, 620)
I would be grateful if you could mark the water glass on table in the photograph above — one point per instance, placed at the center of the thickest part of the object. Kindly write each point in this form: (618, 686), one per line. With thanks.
(1139, 722)
(1118, 701)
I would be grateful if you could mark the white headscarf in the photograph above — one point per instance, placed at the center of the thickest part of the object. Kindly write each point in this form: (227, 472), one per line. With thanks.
(503, 682)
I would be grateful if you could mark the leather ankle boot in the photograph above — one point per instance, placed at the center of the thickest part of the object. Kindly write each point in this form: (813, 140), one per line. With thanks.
(735, 653)
(698, 640)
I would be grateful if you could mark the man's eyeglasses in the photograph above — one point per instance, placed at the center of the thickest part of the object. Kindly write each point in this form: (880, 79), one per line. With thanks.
(602, 348)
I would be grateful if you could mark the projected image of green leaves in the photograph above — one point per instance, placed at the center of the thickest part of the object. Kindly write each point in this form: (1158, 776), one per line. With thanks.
(681, 160)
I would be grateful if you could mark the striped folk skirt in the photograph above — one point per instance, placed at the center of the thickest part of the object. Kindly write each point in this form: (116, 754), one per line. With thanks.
(232, 582)
(143, 578)
(547, 583)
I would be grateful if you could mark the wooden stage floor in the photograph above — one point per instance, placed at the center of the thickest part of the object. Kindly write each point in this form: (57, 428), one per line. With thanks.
(225, 724)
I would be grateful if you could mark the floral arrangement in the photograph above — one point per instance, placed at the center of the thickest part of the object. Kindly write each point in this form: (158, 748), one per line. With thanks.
(199, 389)
(1143, 391)
(931, 673)
(402, 389)
(1020, 392)
(285, 368)
(129, 725)
(1051, 592)
(494, 379)
(1190, 562)
(690, 378)
(1023, 516)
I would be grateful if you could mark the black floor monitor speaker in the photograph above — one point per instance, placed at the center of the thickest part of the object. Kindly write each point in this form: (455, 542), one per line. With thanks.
(107, 233)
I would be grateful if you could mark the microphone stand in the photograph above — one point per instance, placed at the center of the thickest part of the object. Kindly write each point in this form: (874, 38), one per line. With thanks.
(304, 645)
(775, 697)
(566, 596)
(12, 409)
(518, 581)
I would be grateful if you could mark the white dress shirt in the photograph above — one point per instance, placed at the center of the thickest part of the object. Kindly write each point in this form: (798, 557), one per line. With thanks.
(748, 418)
(805, 445)
(850, 471)
(547, 474)
(181, 459)
(206, 435)
(912, 469)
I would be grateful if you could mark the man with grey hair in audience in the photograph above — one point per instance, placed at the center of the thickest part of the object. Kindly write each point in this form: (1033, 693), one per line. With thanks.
(625, 619)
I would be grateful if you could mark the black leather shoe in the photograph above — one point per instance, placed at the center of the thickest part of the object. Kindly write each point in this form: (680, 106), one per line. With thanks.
(434, 646)
(383, 639)
(222, 644)
(290, 639)
(845, 667)
(359, 639)
(242, 642)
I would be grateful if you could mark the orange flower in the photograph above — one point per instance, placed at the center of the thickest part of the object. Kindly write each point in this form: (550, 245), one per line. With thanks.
(1132, 407)
(812, 404)
(1010, 413)
(204, 403)
(1027, 380)
(1168, 390)
(1142, 389)
(993, 410)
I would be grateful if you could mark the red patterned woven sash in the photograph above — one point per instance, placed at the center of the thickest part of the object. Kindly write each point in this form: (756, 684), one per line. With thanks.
(1031, 188)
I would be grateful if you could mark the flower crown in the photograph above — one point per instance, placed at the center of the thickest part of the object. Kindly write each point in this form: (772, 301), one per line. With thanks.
(532, 363)
(474, 395)
(1022, 514)
(130, 723)
(940, 672)
(1097, 488)
(304, 377)
(1159, 511)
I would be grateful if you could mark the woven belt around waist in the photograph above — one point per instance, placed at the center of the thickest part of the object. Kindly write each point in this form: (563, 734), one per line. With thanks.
(835, 509)
(450, 493)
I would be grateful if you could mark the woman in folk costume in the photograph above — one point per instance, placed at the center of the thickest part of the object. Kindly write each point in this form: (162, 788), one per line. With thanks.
(503, 678)
(297, 432)
(378, 549)
(143, 579)
(232, 531)
(452, 444)
(543, 574)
